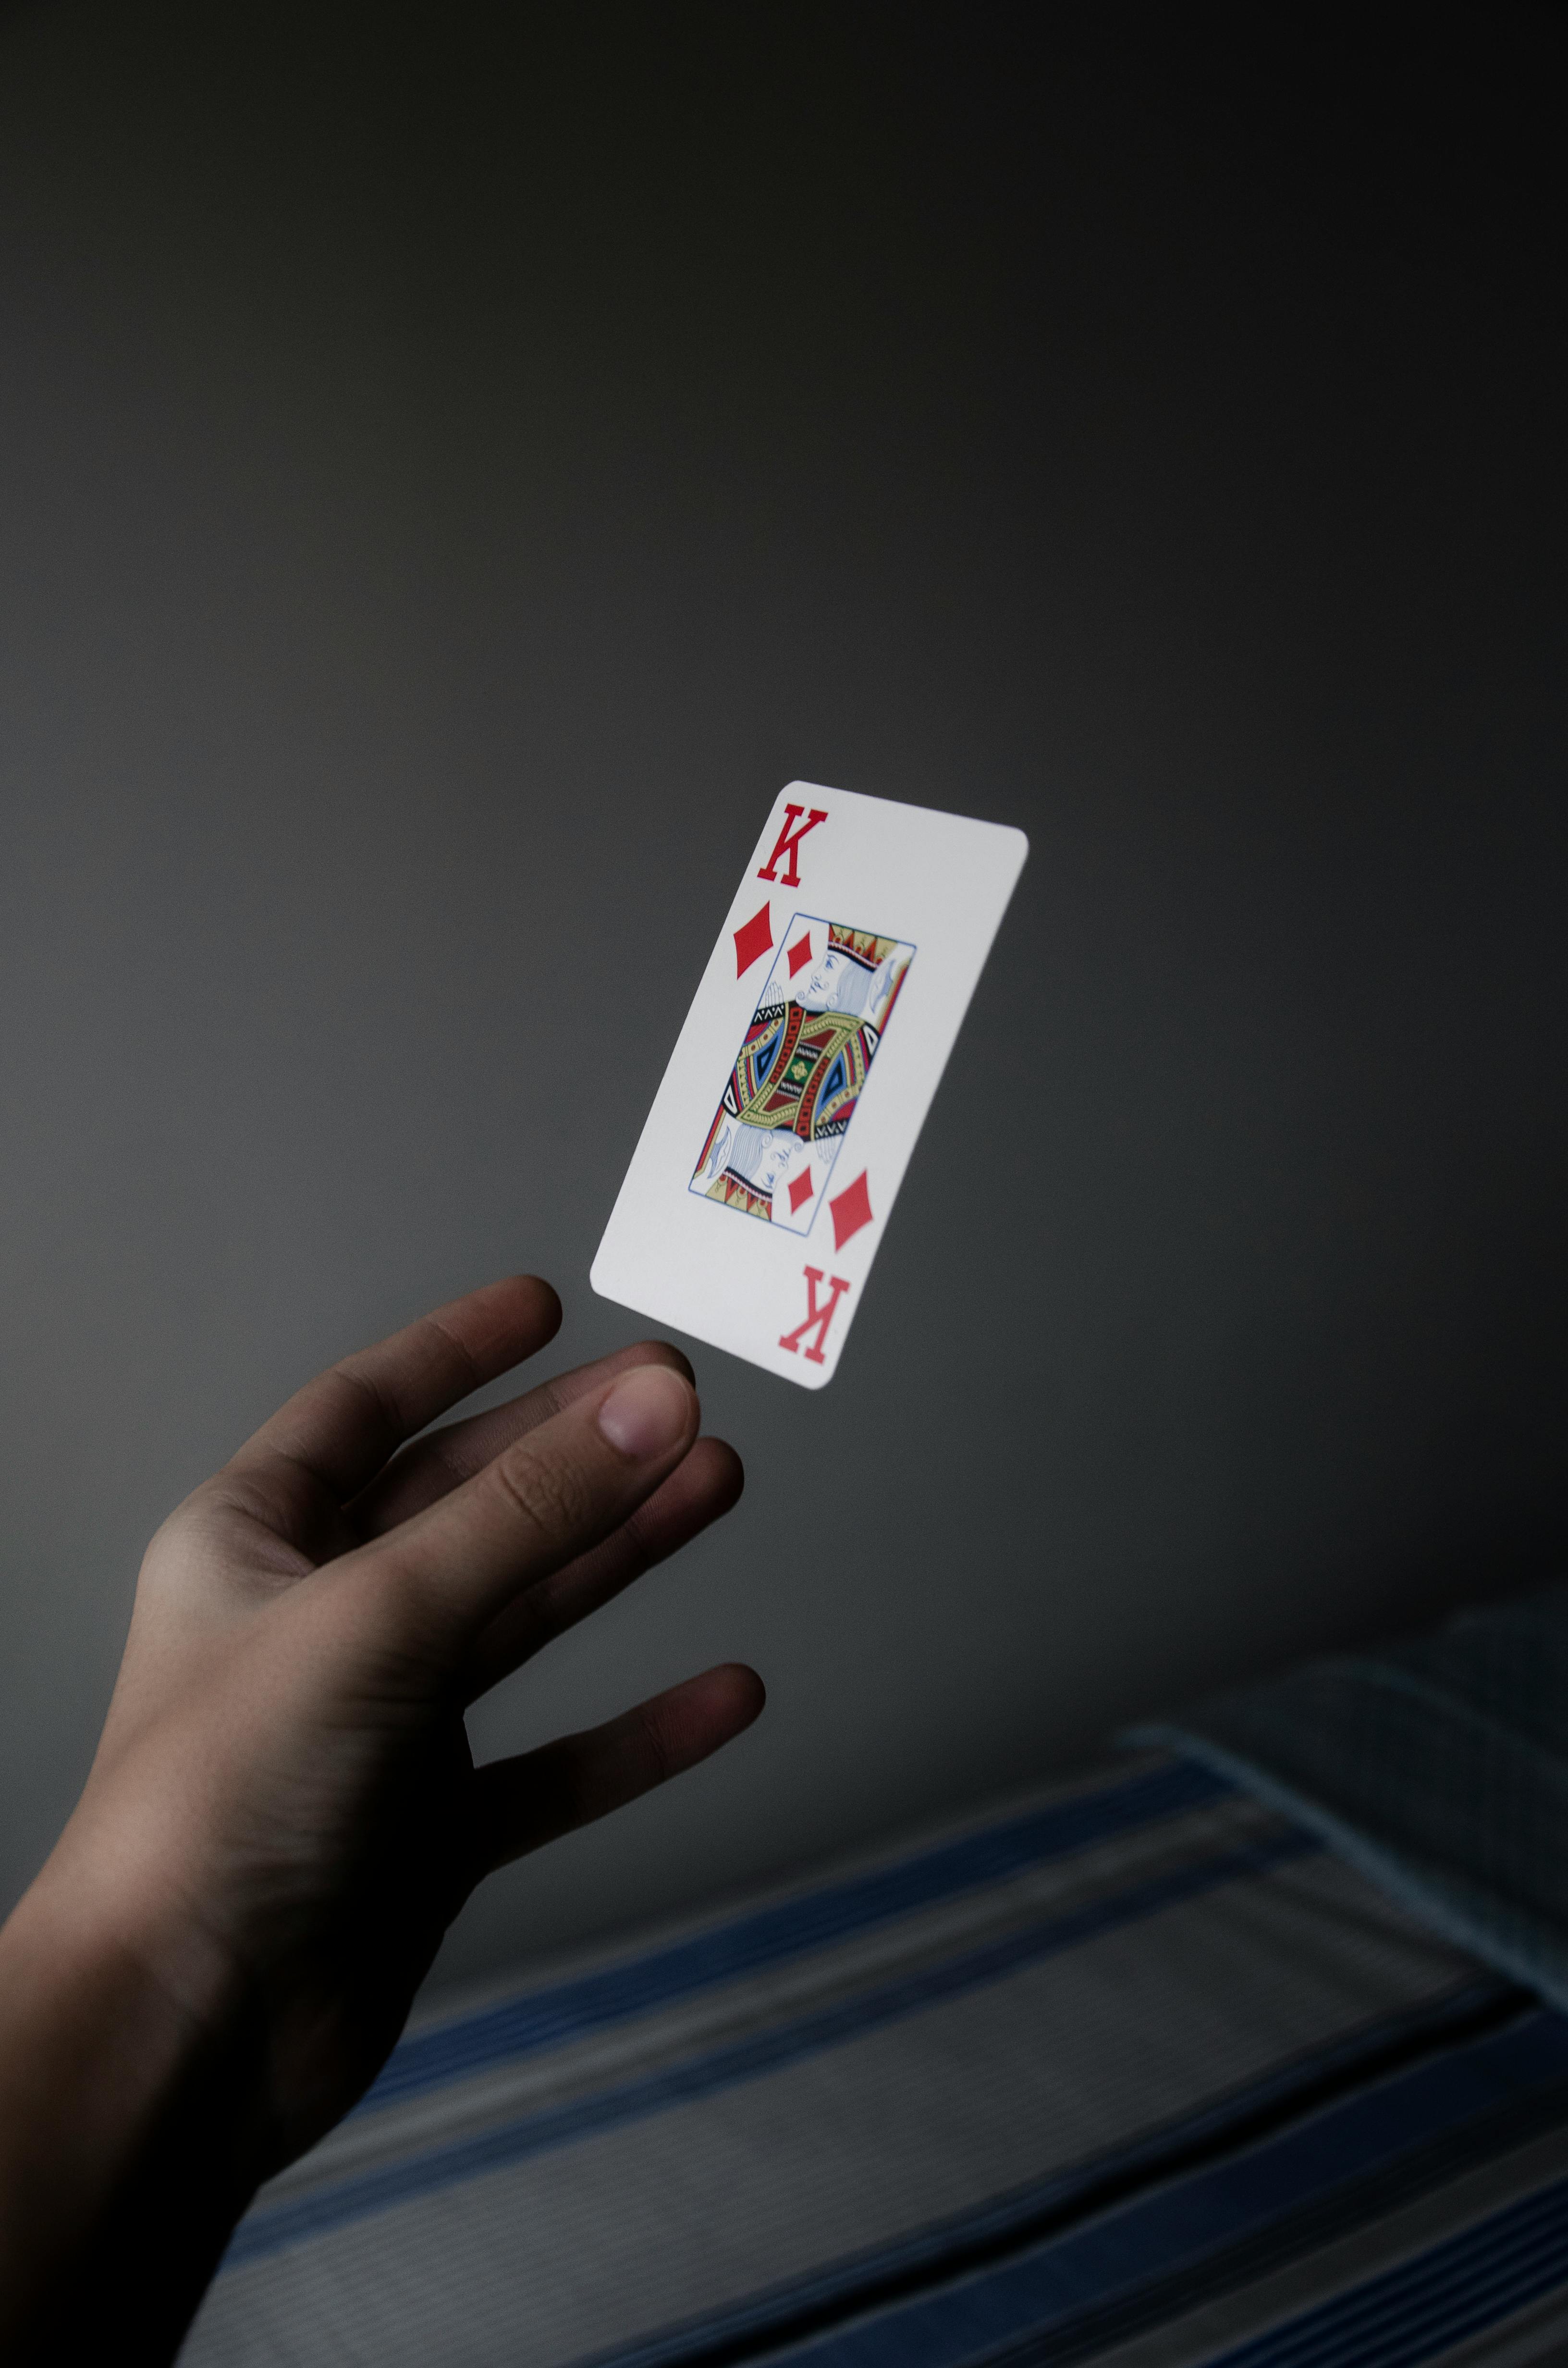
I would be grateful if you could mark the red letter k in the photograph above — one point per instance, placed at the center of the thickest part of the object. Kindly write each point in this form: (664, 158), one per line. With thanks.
(817, 1319)
(788, 841)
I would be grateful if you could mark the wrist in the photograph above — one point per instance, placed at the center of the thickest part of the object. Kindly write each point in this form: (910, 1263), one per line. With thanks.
(122, 2122)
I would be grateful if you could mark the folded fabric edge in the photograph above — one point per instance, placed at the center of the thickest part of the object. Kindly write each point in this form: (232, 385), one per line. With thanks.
(1431, 1902)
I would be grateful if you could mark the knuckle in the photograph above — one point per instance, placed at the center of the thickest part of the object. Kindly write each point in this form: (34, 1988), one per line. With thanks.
(550, 1493)
(636, 1542)
(452, 1353)
(661, 1750)
(371, 1400)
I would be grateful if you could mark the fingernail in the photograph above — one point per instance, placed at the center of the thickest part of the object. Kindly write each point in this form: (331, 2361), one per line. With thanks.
(647, 1413)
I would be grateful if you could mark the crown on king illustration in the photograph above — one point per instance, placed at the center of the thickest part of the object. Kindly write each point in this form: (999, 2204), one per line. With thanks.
(860, 946)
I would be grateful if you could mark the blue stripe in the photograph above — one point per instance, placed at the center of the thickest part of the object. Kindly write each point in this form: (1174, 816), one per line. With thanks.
(567, 2010)
(922, 2253)
(1453, 2291)
(268, 2231)
(1039, 2294)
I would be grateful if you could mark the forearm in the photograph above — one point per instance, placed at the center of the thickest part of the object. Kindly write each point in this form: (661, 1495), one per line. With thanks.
(121, 2150)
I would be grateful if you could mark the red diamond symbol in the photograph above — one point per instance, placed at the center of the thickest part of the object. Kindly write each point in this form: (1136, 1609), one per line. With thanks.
(800, 953)
(851, 1210)
(800, 1191)
(752, 940)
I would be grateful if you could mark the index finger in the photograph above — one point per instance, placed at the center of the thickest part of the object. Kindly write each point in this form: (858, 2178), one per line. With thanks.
(341, 1428)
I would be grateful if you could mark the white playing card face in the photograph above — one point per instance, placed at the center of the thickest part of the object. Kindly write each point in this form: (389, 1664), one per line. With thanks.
(773, 1153)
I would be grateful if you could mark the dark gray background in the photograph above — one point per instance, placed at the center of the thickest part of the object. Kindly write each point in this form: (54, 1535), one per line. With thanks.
(455, 465)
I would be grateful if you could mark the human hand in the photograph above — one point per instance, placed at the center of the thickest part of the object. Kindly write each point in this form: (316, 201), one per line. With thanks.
(283, 1816)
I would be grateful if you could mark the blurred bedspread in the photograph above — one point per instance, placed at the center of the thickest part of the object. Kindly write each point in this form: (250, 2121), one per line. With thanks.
(1136, 2069)
(1439, 1764)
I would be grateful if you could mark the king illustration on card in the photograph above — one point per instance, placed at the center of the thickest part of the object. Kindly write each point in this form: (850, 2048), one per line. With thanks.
(792, 1091)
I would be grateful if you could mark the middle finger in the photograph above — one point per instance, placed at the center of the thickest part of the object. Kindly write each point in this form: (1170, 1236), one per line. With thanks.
(431, 1467)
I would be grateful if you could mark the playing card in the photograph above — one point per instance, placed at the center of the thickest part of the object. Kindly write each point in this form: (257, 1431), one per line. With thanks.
(773, 1153)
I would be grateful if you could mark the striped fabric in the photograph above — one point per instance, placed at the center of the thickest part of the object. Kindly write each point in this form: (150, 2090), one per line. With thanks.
(1133, 2070)
(1439, 1765)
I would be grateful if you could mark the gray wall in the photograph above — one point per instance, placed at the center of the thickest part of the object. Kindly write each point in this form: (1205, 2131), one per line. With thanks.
(454, 466)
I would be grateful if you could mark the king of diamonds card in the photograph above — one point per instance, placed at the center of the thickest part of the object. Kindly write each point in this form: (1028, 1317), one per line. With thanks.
(756, 1197)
